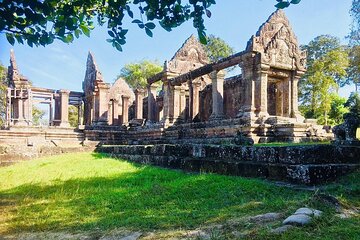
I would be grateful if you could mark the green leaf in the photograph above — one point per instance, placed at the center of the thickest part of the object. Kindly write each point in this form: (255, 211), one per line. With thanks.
(117, 46)
(148, 32)
(10, 38)
(69, 38)
(85, 30)
(137, 21)
(295, 1)
(208, 13)
(77, 33)
(150, 25)
(130, 13)
(111, 33)
(202, 37)
(282, 5)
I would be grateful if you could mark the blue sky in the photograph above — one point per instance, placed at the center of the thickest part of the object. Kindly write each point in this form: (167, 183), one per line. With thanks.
(62, 66)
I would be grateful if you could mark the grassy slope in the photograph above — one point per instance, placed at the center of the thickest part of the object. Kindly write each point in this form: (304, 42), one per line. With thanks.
(89, 191)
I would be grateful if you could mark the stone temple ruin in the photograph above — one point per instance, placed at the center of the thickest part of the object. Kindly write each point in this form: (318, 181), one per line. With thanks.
(196, 104)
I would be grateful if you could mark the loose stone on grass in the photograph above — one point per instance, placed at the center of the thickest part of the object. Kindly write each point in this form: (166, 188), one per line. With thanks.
(267, 217)
(302, 216)
(298, 219)
(281, 229)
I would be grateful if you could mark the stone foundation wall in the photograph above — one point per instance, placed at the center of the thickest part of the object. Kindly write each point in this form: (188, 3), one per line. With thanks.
(310, 165)
(22, 143)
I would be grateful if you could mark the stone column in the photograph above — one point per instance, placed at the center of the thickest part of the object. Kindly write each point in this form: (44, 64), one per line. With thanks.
(125, 109)
(261, 93)
(191, 100)
(8, 108)
(80, 113)
(115, 112)
(182, 109)
(103, 106)
(139, 95)
(247, 110)
(19, 108)
(217, 78)
(295, 113)
(175, 104)
(64, 108)
(151, 103)
(51, 117)
(196, 98)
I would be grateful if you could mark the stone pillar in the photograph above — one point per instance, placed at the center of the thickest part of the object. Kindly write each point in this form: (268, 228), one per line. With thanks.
(191, 100)
(217, 78)
(196, 98)
(103, 106)
(115, 112)
(19, 108)
(64, 108)
(247, 110)
(261, 93)
(151, 103)
(8, 108)
(80, 113)
(125, 109)
(111, 116)
(182, 109)
(139, 95)
(287, 98)
(51, 117)
(295, 113)
(168, 112)
(175, 104)
(166, 101)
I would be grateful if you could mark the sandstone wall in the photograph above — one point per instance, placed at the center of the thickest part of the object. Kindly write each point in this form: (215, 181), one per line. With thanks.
(233, 98)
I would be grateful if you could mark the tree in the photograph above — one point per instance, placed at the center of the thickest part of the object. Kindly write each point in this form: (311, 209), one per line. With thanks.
(136, 74)
(355, 26)
(73, 116)
(40, 22)
(3, 88)
(337, 111)
(327, 64)
(216, 48)
(354, 68)
(37, 115)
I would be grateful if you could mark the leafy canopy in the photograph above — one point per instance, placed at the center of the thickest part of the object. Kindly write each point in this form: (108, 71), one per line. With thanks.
(327, 64)
(355, 14)
(136, 74)
(354, 37)
(216, 48)
(40, 22)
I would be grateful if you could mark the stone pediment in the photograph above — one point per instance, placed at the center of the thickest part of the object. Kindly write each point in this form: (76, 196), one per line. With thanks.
(121, 88)
(278, 44)
(190, 56)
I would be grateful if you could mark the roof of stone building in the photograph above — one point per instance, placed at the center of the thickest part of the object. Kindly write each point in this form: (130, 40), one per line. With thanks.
(93, 75)
(15, 78)
(120, 88)
(190, 55)
(276, 39)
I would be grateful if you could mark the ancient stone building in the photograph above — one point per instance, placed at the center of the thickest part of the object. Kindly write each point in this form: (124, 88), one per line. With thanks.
(196, 101)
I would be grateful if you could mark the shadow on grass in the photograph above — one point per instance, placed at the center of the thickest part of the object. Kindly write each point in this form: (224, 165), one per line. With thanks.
(148, 198)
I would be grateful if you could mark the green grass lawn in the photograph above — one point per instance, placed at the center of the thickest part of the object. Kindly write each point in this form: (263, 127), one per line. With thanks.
(87, 191)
